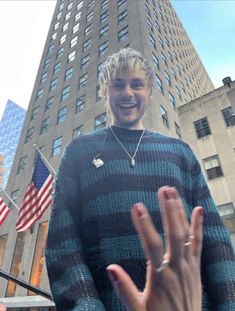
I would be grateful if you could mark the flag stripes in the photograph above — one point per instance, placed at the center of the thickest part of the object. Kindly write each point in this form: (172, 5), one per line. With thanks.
(4, 211)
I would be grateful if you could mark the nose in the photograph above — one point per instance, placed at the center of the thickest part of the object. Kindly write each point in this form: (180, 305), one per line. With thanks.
(128, 92)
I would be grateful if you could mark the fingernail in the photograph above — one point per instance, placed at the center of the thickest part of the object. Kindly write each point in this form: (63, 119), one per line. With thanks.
(170, 193)
(139, 210)
(112, 275)
(201, 211)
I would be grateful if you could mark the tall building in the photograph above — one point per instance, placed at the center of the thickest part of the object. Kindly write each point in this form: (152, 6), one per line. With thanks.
(2, 170)
(65, 99)
(10, 128)
(208, 125)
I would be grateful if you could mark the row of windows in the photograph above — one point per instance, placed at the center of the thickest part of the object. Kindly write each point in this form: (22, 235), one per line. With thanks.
(202, 125)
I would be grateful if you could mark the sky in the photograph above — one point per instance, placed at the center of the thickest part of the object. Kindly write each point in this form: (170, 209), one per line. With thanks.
(24, 26)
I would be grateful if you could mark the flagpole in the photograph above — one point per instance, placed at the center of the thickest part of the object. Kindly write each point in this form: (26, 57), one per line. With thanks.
(45, 160)
(10, 199)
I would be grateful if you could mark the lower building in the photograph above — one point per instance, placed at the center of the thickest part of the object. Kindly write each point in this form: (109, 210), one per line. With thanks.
(208, 126)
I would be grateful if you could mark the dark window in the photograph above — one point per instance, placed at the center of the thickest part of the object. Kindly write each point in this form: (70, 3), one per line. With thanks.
(122, 16)
(229, 116)
(100, 121)
(164, 116)
(62, 115)
(49, 103)
(29, 134)
(44, 125)
(57, 146)
(202, 127)
(77, 131)
(22, 164)
(213, 167)
(80, 104)
(123, 34)
(226, 210)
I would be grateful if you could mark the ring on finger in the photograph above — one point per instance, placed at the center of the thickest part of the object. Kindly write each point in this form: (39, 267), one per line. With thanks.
(189, 242)
(163, 265)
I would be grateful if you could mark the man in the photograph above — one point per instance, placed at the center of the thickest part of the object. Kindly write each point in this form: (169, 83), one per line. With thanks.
(102, 175)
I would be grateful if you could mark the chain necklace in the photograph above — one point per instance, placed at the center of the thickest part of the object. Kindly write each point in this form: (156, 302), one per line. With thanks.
(132, 158)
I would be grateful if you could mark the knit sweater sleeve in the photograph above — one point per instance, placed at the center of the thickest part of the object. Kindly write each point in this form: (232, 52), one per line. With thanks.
(70, 280)
(218, 262)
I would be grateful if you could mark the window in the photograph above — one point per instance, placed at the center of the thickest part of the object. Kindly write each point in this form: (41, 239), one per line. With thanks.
(174, 73)
(22, 164)
(53, 37)
(104, 31)
(62, 115)
(65, 27)
(85, 61)
(50, 48)
(47, 62)
(57, 146)
(16, 263)
(163, 58)
(149, 24)
(178, 92)
(172, 100)
(67, 16)
(70, 6)
(123, 34)
(160, 41)
(229, 116)
(86, 44)
(59, 52)
(57, 67)
(59, 15)
(104, 3)
(45, 125)
(167, 78)
(120, 2)
(43, 77)
(78, 131)
(152, 41)
(159, 83)
(80, 104)
(14, 195)
(90, 4)
(76, 27)
(100, 121)
(89, 16)
(39, 94)
(71, 56)
(73, 42)
(53, 84)
(122, 16)
(62, 39)
(49, 103)
(39, 256)
(29, 134)
(103, 48)
(155, 60)
(34, 113)
(77, 16)
(164, 116)
(65, 93)
(83, 80)
(226, 209)
(202, 127)
(88, 29)
(79, 6)
(177, 130)
(212, 167)
(104, 16)
(147, 9)
(61, 6)
(158, 26)
(68, 74)
(3, 242)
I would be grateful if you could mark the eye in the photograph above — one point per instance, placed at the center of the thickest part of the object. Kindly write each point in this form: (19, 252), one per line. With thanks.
(117, 85)
(138, 84)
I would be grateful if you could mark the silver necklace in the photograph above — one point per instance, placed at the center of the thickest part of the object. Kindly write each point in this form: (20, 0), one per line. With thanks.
(132, 158)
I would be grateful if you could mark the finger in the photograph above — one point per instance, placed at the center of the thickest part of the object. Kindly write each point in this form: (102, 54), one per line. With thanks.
(196, 230)
(125, 288)
(175, 222)
(151, 240)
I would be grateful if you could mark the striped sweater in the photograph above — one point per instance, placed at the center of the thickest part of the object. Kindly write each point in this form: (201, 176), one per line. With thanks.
(91, 227)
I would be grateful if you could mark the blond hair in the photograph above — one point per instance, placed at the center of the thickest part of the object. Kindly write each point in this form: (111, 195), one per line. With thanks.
(124, 60)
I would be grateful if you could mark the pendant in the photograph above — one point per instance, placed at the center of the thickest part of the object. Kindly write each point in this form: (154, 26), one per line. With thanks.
(132, 162)
(97, 162)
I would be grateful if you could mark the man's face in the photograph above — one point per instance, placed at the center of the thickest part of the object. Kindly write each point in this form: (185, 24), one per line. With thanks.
(128, 97)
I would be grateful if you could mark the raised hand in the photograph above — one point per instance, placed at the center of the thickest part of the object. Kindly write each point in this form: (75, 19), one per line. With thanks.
(173, 281)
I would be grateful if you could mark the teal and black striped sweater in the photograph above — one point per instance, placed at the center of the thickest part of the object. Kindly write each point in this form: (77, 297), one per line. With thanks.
(91, 226)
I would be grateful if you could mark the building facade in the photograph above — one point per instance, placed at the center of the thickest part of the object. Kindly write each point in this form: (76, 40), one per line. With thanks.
(10, 128)
(208, 125)
(65, 100)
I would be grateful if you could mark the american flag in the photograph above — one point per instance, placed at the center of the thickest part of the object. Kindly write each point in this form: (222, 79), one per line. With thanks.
(4, 211)
(38, 196)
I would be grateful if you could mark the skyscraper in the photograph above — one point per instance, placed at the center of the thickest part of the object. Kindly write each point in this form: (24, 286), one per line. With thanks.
(10, 129)
(65, 101)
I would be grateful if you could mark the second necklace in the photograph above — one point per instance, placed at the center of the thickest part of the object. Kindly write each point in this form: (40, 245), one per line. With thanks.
(132, 158)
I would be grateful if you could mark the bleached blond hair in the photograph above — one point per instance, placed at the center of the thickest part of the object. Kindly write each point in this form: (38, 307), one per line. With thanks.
(124, 60)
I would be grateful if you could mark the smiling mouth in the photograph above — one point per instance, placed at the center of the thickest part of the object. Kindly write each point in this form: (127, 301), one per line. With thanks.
(127, 106)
